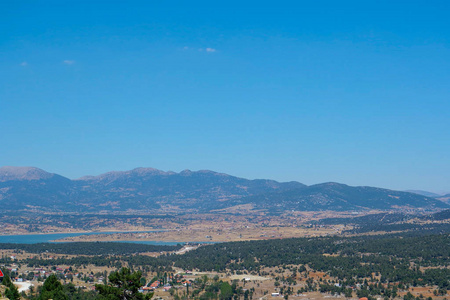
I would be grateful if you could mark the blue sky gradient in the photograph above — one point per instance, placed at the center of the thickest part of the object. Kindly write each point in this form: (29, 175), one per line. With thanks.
(356, 92)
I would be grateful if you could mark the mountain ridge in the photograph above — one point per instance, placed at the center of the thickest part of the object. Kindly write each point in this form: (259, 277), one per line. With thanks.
(150, 189)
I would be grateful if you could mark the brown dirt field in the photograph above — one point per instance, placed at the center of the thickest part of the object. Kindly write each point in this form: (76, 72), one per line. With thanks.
(241, 217)
(216, 233)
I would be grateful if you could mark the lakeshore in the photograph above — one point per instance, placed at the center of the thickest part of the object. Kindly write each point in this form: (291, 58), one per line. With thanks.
(60, 237)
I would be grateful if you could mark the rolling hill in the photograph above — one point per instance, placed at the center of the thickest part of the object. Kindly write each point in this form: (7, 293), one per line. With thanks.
(341, 197)
(424, 193)
(444, 198)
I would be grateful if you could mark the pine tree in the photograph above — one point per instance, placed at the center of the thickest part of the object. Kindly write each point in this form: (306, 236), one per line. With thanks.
(123, 285)
(11, 291)
(52, 289)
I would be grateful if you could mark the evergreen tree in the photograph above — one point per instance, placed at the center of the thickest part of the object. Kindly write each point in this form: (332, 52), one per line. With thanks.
(11, 291)
(226, 292)
(52, 289)
(122, 285)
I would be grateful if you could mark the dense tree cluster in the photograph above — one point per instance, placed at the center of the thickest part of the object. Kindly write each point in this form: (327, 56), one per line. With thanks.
(432, 228)
(395, 258)
(381, 218)
(90, 248)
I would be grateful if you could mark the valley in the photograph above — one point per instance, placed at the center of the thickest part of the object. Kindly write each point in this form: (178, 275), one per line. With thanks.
(205, 235)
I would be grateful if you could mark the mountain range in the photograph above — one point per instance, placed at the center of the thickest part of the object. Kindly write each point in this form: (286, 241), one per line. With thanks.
(148, 189)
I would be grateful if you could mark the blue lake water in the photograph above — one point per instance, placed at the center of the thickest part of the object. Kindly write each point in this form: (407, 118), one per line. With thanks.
(47, 238)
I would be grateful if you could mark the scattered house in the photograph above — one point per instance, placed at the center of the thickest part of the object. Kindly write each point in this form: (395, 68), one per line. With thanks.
(155, 284)
(80, 286)
(186, 282)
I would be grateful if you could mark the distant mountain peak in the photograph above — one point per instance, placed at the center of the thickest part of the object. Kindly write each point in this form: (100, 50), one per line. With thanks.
(146, 172)
(149, 171)
(117, 174)
(209, 172)
(8, 173)
(186, 172)
(331, 183)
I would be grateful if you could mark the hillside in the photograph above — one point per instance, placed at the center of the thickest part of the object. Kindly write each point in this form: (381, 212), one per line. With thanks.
(147, 189)
(340, 197)
(151, 188)
(424, 193)
(444, 198)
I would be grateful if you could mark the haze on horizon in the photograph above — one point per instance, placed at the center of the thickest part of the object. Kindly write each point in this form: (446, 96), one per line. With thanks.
(349, 92)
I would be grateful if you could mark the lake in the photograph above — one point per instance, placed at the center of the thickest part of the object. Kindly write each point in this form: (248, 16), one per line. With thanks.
(47, 238)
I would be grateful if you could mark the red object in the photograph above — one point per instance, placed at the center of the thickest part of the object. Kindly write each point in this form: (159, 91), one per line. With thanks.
(1, 273)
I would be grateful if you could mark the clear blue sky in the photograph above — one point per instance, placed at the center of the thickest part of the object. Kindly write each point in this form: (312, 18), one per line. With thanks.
(356, 92)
